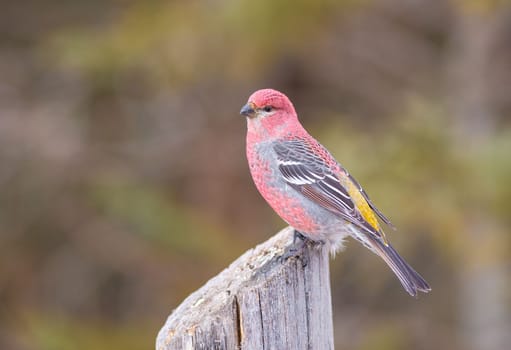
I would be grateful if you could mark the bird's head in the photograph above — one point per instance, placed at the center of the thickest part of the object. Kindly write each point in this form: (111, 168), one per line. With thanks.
(270, 111)
(265, 103)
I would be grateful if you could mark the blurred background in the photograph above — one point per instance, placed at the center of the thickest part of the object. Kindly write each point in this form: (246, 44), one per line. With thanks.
(124, 184)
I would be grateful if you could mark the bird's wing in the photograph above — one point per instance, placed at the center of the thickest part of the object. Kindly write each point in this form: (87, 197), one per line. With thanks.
(304, 168)
(369, 202)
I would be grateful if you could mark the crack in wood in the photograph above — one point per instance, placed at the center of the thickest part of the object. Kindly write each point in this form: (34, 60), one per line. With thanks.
(261, 315)
(239, 328)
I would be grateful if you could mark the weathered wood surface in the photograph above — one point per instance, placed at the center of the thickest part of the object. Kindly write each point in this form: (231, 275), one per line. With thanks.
(261, 301)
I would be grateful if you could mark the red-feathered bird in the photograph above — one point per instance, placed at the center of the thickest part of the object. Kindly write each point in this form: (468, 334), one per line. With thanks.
(309, 189)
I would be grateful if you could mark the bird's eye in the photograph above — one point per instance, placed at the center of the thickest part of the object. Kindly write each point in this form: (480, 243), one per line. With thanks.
(268, 108)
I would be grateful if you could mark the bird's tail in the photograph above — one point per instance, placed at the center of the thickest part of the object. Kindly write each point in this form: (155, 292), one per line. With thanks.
(409, 278)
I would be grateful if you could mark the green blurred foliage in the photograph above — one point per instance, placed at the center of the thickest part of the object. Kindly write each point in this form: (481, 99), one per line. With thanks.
(145, 212)
(55, 333)
(169, 41)
(125, 186)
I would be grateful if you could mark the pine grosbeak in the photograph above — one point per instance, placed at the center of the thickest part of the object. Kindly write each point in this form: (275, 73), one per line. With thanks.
(309, 189)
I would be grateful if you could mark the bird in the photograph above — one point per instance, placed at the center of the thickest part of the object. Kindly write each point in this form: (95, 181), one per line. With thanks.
(309, 189)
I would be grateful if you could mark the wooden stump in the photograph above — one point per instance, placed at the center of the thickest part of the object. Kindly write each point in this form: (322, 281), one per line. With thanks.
(269, 298)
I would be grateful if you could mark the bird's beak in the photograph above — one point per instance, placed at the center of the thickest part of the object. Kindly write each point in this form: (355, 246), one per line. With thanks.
(248, 110)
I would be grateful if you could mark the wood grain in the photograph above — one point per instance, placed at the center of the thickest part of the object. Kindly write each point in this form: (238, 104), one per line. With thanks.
(275, 296)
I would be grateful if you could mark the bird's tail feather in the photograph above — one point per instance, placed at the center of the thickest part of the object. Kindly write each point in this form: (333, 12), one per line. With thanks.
(409, 278)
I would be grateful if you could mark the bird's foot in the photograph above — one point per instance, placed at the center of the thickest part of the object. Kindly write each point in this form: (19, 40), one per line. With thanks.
(306, 240)
(297, 235)
(299, 241)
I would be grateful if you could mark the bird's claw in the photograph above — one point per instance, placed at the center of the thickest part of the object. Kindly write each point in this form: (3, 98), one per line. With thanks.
(297, 235)
(293, 251)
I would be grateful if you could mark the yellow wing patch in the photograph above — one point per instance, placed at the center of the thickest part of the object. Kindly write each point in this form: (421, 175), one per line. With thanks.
(363, 207)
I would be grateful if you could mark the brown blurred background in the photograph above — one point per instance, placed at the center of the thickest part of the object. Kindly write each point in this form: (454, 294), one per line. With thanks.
(124, 184)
